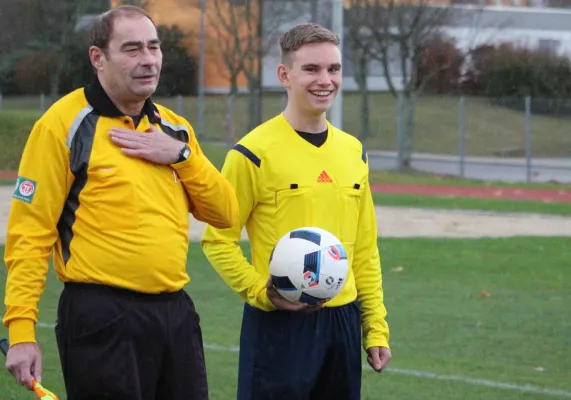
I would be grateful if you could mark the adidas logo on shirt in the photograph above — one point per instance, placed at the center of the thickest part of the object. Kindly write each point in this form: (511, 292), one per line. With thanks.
(324, 178)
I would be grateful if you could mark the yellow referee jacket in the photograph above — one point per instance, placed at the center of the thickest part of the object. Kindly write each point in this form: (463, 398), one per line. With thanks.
(110, 219)
(284, 182)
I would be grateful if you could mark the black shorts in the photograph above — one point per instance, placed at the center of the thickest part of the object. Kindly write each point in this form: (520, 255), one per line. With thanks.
(117, 344)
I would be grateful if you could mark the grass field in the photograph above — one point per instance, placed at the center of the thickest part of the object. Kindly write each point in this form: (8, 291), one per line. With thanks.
(458, 203)
(415, 177)
(491, 130)
(448, 340)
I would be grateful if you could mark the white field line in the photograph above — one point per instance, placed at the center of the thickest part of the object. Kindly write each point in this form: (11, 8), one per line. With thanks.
(421, 374)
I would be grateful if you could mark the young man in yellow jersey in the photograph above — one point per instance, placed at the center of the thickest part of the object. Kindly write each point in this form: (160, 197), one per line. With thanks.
(297, 170)
(107, 179)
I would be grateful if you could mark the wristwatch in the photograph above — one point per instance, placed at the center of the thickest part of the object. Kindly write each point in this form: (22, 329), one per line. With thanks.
(184, 154)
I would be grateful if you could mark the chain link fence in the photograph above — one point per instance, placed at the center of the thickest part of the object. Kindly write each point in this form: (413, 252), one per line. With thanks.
(457, 134)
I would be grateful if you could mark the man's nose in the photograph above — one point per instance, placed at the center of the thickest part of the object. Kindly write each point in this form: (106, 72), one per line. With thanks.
(324, 78)
(147, 58)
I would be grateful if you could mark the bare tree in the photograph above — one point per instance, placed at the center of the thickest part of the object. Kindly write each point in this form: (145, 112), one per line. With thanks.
(395, 33)
(359, 55)
(398, 32)
(226, 34)
(245, 32)
(264, 21)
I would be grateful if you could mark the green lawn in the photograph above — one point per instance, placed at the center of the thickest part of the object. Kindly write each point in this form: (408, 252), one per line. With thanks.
(15, 127)
(458, 203)
(426, 178)
(490, 129)
(440, 323)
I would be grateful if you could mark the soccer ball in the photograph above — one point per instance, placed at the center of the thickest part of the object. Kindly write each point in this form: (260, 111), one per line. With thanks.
(308, 265)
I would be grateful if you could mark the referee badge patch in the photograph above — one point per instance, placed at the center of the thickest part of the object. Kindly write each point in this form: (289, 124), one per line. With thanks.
(25, 189)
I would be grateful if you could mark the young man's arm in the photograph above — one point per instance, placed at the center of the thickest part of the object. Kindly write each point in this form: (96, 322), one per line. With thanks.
(212, 197)
(221, 245)
(32, 226)
(368, 277)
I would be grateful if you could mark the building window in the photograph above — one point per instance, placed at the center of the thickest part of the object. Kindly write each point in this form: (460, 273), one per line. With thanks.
(548, 45)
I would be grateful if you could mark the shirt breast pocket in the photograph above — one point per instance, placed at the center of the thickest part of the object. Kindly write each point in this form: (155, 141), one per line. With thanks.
(350, 202)
(114, 198)
(294, 209)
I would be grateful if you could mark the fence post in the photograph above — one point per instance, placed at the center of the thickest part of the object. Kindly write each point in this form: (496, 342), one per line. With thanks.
(179, 105)
(461, 133)
(399, 130)
(42, 103)
(1, 98)
(528, 144)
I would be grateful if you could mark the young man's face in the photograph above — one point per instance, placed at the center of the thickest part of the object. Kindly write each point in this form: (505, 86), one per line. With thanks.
(132, 65)
(313, 77)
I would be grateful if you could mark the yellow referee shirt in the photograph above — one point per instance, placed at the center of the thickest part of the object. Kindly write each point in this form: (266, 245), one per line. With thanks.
(110, 219)
(283, 182)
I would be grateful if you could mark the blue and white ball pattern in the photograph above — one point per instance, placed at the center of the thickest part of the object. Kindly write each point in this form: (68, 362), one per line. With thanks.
(309, 265)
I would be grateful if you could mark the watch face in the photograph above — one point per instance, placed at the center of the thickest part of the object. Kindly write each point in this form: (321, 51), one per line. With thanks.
(186, 152)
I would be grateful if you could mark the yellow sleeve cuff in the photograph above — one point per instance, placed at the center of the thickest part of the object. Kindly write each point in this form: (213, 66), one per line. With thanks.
(265, 303)
(376, 342)
(21, 331)
(193, 163)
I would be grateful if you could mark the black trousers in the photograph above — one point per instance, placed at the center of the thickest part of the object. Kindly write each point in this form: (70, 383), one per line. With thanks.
(117, 344)
(303, 356)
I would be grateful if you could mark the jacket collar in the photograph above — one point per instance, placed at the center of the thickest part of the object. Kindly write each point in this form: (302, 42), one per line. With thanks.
(100, 101)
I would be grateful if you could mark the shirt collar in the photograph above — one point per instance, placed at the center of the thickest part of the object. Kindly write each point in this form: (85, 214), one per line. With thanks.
(100, 101)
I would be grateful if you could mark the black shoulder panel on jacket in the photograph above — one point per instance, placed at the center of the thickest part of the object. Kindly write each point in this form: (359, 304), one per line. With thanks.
(251, 156)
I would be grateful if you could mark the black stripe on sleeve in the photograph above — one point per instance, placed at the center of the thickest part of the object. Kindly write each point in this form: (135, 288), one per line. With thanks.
(251, 156)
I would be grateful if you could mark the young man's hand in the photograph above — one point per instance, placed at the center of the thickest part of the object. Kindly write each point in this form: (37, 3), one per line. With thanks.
(283, 304)
(24, 361)
(378, 358)
(154, 145)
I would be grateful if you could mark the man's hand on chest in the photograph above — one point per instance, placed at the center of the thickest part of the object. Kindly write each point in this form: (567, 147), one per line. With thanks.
(154, 146)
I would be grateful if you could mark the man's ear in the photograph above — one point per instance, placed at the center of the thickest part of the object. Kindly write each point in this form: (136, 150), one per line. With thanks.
(283, 75)
(97, 57)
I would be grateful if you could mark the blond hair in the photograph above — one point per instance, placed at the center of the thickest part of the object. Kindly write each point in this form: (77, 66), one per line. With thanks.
(303, 34)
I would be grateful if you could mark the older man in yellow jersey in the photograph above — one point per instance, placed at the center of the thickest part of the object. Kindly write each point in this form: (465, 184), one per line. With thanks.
(297, 170)
(107, 179)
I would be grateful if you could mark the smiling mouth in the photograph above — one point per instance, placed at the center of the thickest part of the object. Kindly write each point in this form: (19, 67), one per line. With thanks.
(321, 93)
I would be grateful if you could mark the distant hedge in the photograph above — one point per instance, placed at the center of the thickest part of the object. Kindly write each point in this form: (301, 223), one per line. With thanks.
(506, 74)
(30, 74)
